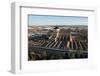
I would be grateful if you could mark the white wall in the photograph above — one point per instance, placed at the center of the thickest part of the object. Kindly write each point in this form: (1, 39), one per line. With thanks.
(5, 33)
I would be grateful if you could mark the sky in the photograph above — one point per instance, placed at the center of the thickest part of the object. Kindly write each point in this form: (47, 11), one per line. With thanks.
(56, 20)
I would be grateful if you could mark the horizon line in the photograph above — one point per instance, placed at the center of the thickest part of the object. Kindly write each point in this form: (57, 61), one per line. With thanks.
(57, 25)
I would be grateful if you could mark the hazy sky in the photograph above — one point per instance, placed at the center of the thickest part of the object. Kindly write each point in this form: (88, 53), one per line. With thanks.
(57, 20)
